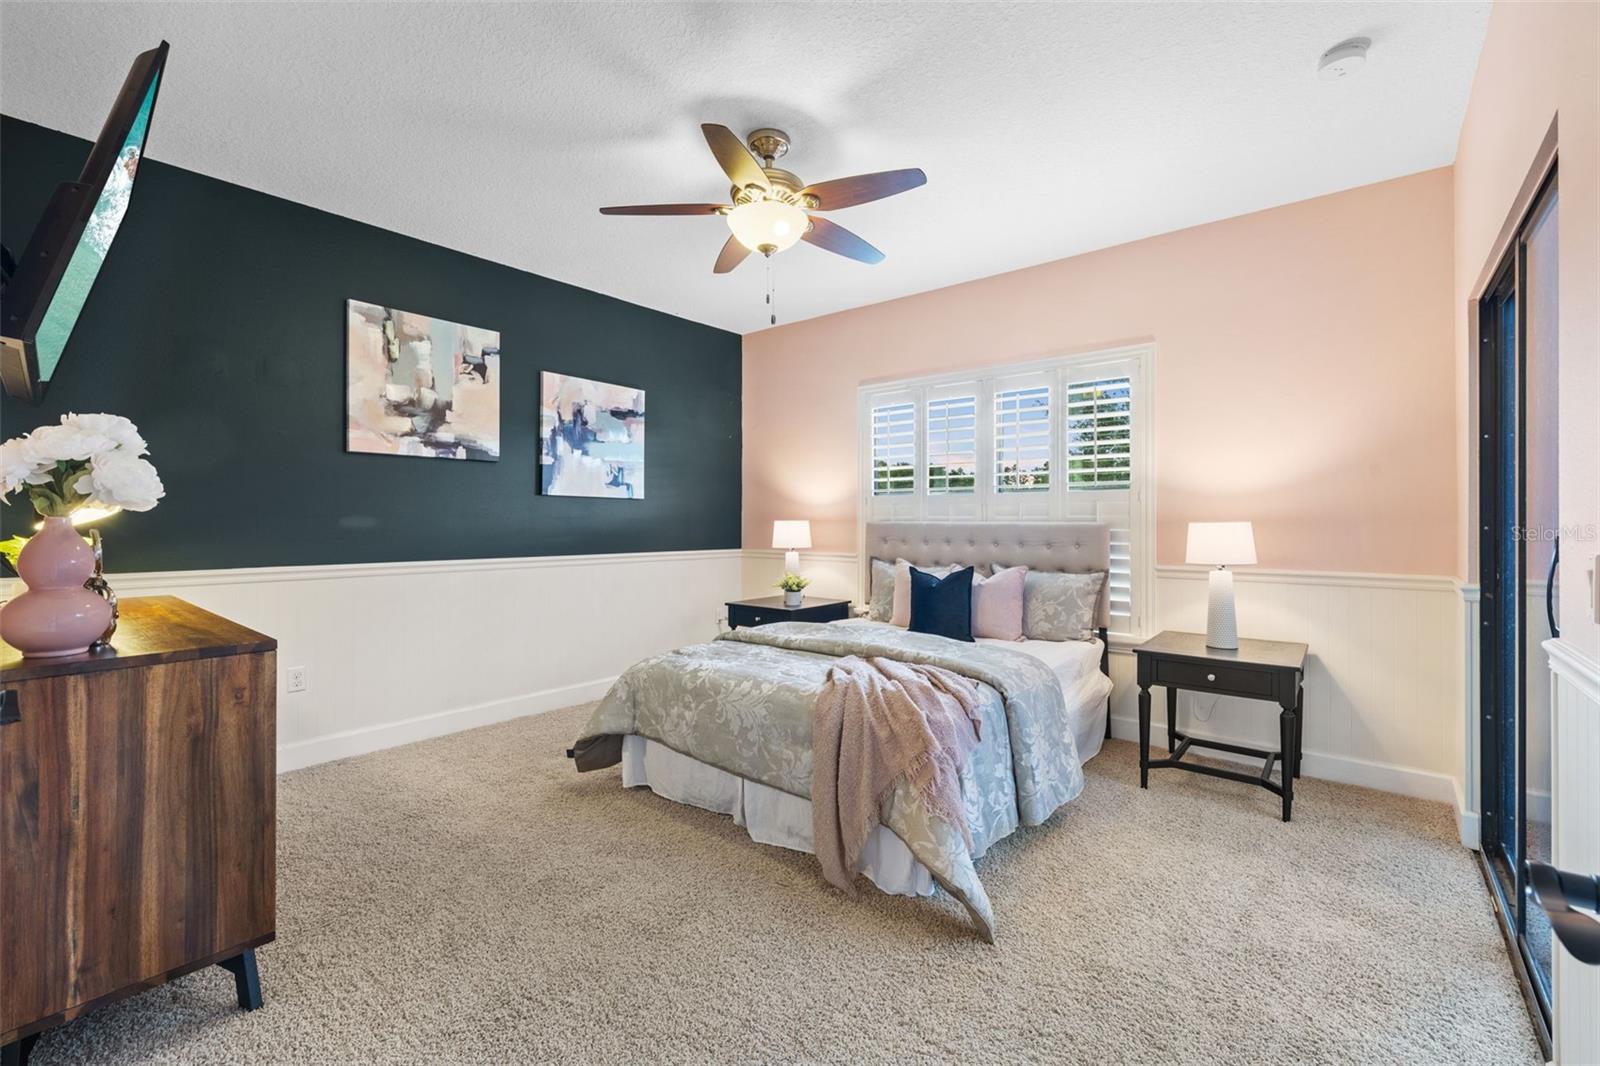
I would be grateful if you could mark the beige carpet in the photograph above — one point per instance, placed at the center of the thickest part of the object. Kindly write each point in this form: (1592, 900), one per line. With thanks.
(472, 899)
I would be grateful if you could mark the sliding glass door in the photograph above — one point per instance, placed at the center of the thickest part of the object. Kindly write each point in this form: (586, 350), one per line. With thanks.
(1518, 548)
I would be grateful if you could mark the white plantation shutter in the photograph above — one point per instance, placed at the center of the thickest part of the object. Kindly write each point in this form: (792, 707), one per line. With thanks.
(1098, 441)
(951, 459)
(1022, 444)
(1099, 433)
(894, 490)
(1020, 468)
(894, 449)
(952, 445)
(1060, 439)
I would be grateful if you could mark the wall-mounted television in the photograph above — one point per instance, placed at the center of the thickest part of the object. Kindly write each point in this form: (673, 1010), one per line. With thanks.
(46, 289)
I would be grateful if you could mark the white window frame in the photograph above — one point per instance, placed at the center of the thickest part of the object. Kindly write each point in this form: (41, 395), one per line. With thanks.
(1136, 361)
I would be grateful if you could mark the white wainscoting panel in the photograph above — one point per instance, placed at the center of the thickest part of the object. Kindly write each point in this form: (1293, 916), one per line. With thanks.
(1383, 680)
(398, 652)
(1575, 803)
(1384, 686)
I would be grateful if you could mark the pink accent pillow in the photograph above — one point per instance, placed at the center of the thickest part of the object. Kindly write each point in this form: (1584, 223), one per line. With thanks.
(997, 604)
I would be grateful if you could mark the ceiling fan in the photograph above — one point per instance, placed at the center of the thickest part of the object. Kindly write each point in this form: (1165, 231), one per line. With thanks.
(771, 207)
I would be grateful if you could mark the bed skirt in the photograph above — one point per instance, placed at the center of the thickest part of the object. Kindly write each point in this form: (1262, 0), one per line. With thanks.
(777, 818)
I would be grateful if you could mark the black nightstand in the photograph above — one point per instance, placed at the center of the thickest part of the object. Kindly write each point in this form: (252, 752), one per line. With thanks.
(1259, 670)
(770, 609)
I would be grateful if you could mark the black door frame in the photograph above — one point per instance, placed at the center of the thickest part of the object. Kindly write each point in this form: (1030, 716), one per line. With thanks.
(1502, 511)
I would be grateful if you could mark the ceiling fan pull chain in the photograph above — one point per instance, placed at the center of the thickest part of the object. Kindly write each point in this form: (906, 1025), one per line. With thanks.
(772, 302)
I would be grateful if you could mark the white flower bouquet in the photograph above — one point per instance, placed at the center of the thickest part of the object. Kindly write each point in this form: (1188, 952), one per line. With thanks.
(86, 461)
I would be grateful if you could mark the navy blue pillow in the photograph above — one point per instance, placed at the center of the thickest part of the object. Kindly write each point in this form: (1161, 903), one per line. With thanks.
(942, 606)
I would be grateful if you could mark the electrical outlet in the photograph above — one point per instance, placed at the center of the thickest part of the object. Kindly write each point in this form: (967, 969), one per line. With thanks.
(295, 679)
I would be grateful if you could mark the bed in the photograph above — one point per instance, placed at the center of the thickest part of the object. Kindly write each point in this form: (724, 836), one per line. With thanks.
(726, 726)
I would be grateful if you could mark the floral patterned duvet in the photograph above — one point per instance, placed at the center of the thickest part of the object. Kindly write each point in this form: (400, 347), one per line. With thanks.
(743, 703)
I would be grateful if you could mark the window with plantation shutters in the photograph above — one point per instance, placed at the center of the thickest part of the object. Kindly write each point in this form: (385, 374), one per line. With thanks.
(1022, 444)
(894, 449)
(1056, 440)
(1099, 434)
(952, 445)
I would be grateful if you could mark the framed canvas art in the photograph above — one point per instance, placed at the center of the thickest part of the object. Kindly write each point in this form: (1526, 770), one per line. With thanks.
(591, 438)
(417, 385)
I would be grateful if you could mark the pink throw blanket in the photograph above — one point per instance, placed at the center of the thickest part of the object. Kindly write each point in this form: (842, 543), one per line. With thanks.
(878, 720)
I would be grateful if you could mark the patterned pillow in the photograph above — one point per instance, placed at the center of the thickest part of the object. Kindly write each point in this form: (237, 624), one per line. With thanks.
(880, 604)
(1060, 606)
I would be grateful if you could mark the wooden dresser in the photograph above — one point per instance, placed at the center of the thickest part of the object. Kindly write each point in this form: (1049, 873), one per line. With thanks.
(137, 815)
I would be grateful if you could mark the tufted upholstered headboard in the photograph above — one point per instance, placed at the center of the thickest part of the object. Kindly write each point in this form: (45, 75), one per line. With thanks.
(1070, 547)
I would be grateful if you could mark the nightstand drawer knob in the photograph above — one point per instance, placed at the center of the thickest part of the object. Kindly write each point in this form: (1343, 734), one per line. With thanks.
(1211, 677)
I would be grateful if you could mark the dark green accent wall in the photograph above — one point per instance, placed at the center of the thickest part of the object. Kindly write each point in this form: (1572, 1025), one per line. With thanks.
(218, 326)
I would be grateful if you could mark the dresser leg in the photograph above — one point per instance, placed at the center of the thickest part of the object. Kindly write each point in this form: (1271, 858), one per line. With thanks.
(1144, 736)
(16, 1053)
(246, 981)
(1288, 742)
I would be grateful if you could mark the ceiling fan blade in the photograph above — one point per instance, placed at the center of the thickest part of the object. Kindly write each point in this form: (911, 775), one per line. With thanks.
(732, 255)
(835, 238)
(863, 188)
(735, 159)
(665, 209)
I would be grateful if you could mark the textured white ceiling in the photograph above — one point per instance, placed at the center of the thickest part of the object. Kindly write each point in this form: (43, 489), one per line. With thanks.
(499, 129)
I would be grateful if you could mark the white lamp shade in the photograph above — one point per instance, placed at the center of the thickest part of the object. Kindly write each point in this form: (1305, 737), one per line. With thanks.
(1221, 544)
(791, 534)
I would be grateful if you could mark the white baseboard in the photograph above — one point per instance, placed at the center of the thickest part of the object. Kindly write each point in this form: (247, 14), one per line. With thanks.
(350, 742)
(1466, 819)
(1345, 770)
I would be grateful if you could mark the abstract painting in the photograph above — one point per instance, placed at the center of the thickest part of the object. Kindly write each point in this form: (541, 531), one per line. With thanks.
(592, 438)
(421, 386)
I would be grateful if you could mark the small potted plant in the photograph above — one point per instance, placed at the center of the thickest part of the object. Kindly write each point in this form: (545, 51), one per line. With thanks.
(794, 589)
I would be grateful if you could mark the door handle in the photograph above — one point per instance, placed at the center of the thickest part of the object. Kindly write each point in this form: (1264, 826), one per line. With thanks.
(10, 707)
(1558, 892)
(1550, 590)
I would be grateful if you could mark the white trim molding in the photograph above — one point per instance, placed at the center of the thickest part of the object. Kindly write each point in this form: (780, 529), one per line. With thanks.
(1345, 579)
(1468, 816)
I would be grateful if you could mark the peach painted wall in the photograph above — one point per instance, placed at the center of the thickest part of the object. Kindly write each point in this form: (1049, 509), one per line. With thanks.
(1539, 63)
(1304, 377)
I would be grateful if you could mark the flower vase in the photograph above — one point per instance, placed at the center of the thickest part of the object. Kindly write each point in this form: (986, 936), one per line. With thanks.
(793, 598)
(57, 615)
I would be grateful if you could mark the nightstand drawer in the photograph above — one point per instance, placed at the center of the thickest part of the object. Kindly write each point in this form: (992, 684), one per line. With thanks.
(759, 613)
(753, 616)
(1208, 677)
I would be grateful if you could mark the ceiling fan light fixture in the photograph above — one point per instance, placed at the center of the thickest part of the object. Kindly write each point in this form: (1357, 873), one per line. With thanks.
(767, 226)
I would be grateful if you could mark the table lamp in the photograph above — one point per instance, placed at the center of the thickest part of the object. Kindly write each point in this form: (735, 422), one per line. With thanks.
(1221, 544)
(791, 535)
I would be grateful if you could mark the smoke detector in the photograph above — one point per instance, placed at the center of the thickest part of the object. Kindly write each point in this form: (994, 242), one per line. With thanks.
(1343, 59)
